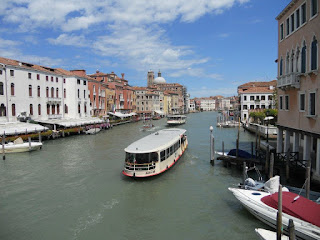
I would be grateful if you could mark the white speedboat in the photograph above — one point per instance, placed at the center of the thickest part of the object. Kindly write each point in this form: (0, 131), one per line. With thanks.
(93, 131)
(19, 146)
(263, 205)
(155, 153)
(173, 120)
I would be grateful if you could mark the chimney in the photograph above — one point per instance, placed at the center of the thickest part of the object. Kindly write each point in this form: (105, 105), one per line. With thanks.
(122, 74)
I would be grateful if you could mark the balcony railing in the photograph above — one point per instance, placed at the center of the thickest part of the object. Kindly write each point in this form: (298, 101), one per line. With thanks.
(289, 80)
(53, 100)
(55, 116)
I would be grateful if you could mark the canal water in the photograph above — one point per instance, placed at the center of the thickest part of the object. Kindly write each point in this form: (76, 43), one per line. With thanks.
(74, 189)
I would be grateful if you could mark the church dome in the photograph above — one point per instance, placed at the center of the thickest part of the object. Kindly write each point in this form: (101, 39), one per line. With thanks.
(159, 80)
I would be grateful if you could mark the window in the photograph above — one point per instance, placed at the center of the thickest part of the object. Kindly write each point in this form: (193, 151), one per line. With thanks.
(65, 108)
(39, 109)
(251, 98)
(263, 106)
(312, 104)
(11, 73)
(288, 26)
(64, 80)
(47, 78)
(3, 111)
(245, 98)
(78, 81)
(298, 18)
(13, 109)
(0, 72)
(48, 109)
(84, 93)
(38, 91)
(292, 22)
(1, 88)
(286, 102)
(64, 93)
(53, 109)
(84, 82)
(30, 91)
(38, 76)
(47, 92)
(29, 75)
(31, 109)
(281, 102)
(58, 109)
(303, 58)
(251, 106)
(314, 7)
(52, 92)
(303, 13)
(57, 80)
(57, 92)
(51, 79)
(281, 31)
(263, 97)
(302, 98)
(78, 93)
(281, 66)
(245, 107)
(12, 89)
(85, 108)
(79, 108)
(314, 54)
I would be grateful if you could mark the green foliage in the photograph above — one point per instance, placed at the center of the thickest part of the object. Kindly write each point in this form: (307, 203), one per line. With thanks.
(257, 116)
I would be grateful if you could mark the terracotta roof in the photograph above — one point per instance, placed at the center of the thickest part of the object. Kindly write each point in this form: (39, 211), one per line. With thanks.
(259, 84)
(256, 90)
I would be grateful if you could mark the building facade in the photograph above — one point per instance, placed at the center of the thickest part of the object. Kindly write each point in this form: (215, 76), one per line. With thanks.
(299, 81)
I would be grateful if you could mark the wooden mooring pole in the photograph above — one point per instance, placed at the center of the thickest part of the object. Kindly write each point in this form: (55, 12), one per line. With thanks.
(266, 166)
(271, 165)
(279, 214)
(211, 146)
(308, 175)
(288, 165)
(292, 235)
(244, 172)
(3, 142)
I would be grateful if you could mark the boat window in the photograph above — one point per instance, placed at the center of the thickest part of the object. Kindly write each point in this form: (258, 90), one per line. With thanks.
(171, 150)
(129, 157)
(154, 157)
(162, 155)
(167, 152)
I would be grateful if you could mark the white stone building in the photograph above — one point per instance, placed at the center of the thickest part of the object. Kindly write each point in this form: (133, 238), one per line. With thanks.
(207, 104)
(42, 93)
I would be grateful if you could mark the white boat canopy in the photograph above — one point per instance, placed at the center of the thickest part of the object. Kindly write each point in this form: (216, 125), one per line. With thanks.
(11, 128)
(159, 112)
(122, 115)
(73, 122)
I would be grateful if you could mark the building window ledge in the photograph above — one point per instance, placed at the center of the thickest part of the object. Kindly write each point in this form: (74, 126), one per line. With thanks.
(315, 72)
(311, 116)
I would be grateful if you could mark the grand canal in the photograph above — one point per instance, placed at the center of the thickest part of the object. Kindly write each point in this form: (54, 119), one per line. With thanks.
(73, 189)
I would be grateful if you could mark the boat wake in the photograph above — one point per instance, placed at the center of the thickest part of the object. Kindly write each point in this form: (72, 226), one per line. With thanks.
(92, 218)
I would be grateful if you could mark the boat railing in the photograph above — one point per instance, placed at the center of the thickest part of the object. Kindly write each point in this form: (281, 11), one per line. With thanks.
(139, 166)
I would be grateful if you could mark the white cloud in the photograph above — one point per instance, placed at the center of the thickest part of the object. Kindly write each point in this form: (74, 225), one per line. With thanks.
(71, 40)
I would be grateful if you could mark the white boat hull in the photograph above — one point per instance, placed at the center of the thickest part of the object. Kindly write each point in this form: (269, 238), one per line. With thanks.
(251, 200)
(176, 122)
(264, 234)
(93, 131)
(23, 147)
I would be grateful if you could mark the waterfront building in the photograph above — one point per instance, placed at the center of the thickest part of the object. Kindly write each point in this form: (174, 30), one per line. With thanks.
(256, 95)
(299, 81)
(166, 103)
(192, 105)
(207, 104)
(41, 93)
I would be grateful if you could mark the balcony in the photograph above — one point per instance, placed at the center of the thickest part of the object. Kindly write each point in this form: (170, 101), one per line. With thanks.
(289, 80)
(55, 116)
(53, 100)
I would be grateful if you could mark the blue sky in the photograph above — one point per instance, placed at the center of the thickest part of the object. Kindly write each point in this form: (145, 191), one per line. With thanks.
(210, 46)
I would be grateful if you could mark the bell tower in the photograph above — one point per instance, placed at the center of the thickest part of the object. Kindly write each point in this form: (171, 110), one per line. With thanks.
(150, 78)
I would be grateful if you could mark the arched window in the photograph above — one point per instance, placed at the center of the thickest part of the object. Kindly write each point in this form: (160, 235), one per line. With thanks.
(65, 108)
(13, 109)
(38, 91)
(52, 92)
(12, 89)
(79, 108)
(85, 108)
(314, 54)
(297, 59)
(58, 109)
(53, 109)
(292, 61)
(287, 63)
(78, 93)
(31, 109)
(39, 109)
(2, 110)
(57, 92)
(64, 93)
(48, 109)
(303, 58)
(47, 92)
(1, 88)
(281, 66)
(30, 91)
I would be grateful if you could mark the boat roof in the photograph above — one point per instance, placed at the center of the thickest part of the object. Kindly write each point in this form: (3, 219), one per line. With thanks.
(177, 116)
(156, 141)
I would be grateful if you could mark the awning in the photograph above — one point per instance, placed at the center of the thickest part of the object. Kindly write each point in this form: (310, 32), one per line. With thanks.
(122, 115)
(159, 112)
(73, 122)
(11, 128)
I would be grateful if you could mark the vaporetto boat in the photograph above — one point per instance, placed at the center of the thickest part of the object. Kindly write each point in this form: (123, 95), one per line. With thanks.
(155, 153)
(176, 119)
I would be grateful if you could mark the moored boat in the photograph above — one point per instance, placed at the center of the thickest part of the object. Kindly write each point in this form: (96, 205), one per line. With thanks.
(19, 146)
(173, 120)
(155, 153)
(263, 205)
